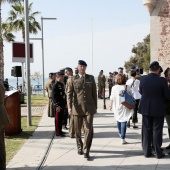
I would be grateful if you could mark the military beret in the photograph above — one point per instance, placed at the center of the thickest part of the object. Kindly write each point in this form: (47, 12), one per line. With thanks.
(60, 73)
(154, 63)
(68, 69)
(120, 68)
(81, 62)
(137, 70)
(132, 67)
(51, 74)
(161, 70)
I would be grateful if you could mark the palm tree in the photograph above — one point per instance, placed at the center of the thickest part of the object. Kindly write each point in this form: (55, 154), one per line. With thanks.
(16, 22)
(6, 34)
(16, 19)
(1, 40)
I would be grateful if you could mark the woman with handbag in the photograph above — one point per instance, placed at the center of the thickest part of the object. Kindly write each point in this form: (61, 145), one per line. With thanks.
(133, 83)
(121, 113)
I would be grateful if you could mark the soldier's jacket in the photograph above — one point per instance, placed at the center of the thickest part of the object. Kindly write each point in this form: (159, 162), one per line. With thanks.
(58, 94)
(82, 95)
(48, 87)
(109, 80)
(3, 113)
(101, 80)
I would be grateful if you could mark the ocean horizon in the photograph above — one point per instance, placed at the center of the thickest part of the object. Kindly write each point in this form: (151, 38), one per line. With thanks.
(13, 81)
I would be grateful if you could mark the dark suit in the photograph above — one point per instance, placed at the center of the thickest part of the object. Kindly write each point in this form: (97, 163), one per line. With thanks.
(154, 90)
(59, 99)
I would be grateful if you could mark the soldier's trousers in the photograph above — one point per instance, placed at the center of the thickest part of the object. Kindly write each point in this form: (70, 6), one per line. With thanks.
(88, 129)
(152, 127)
(168, 123)
(2, 151)
(71, 126)
(50, 108)
(58, 122)
(65, 117)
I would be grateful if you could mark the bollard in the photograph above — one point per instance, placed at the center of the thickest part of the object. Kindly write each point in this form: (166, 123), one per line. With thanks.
(104, 99)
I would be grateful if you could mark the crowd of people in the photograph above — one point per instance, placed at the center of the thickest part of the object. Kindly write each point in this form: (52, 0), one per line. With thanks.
(152, 95)
(75, 97)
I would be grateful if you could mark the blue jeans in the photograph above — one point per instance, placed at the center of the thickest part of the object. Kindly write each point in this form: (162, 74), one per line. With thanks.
(122, 129)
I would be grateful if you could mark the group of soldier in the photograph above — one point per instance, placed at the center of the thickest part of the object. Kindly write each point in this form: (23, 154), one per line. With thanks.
(102, 80)
(73, 96)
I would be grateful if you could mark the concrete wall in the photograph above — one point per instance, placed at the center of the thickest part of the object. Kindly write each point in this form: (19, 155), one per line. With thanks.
(160, 33)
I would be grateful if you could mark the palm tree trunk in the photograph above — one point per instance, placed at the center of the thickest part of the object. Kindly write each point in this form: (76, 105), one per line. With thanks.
(1, 49)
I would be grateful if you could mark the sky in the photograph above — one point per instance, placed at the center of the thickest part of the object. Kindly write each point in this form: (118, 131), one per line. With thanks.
(113, 25)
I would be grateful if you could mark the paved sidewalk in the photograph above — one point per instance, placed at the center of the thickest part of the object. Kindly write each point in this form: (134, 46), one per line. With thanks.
(107, 153)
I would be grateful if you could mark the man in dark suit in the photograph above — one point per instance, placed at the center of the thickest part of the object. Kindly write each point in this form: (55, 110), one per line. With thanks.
(154, 90)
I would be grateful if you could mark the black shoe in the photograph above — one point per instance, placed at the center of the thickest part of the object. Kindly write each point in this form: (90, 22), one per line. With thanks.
(134, 127)
(63, 133)
(86, 155)
(148, 155)
(160, 156)
(80, 152)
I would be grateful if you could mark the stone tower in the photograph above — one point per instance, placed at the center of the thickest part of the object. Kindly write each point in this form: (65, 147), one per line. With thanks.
(159, 11)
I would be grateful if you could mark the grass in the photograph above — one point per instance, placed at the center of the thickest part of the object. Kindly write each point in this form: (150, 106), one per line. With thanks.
(14, 143)
(36, 100)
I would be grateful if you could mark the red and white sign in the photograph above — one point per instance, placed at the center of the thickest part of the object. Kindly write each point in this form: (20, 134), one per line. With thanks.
(18, 52)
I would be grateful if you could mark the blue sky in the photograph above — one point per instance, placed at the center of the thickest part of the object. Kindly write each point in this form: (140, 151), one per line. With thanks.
(117, 26)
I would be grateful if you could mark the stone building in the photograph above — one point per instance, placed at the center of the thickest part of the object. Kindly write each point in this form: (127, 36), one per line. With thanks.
(159, 11)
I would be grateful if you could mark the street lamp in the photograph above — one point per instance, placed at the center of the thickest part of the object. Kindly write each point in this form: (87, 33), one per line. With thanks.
(43, 49)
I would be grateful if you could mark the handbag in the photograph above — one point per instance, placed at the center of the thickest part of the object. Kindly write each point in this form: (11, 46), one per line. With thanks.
(127, 100)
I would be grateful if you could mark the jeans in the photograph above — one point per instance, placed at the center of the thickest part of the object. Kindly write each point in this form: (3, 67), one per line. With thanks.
(122, 129)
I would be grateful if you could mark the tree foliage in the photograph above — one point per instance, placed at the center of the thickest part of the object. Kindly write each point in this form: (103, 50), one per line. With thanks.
(36, 76)
(16, 19)
(141, 58)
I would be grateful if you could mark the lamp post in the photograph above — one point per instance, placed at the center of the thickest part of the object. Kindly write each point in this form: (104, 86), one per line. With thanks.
(43, 49)
(27, 52)
(92, 45)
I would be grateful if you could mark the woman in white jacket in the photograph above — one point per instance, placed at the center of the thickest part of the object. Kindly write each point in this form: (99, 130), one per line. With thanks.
(133, 83)
(121, 113)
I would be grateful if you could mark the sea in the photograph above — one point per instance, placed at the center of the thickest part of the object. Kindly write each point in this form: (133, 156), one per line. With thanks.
(36, 84)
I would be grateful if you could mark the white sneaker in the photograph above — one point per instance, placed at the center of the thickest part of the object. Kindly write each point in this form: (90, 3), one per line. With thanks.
(123, 141)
